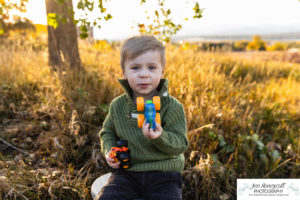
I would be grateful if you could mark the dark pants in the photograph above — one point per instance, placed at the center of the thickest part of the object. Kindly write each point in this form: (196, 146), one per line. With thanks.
(147, 185)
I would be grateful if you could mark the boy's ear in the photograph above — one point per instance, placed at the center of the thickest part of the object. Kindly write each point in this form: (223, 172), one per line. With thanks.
(124, 75)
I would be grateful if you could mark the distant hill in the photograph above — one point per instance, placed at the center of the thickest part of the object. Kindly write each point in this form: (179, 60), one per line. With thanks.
(267, 37)
(261, 29)
(266, 31)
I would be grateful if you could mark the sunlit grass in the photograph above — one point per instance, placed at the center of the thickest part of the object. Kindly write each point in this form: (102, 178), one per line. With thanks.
(242, 113)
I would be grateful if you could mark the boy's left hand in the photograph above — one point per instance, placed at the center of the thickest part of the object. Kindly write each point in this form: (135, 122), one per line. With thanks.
(150, 133)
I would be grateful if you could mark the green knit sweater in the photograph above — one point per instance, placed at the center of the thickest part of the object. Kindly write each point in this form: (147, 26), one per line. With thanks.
(162, 154)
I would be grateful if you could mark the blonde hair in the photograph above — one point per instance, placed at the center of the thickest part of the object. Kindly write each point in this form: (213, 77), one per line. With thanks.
(137, 45)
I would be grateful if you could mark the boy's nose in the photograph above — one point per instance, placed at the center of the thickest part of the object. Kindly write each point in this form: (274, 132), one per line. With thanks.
(144, 73)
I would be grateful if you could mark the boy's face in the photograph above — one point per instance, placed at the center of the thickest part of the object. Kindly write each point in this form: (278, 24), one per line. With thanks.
(144, 73)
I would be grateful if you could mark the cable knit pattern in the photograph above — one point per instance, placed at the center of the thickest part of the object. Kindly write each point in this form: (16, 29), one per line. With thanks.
(162, 154)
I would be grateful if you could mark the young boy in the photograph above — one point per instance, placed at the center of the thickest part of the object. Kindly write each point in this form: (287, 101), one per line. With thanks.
(156, 156)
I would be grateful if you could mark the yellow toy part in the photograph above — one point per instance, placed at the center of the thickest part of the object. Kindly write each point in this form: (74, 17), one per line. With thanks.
(126, 166)
(140, 104)
(157, 118)
(140, 119)
(156, 102)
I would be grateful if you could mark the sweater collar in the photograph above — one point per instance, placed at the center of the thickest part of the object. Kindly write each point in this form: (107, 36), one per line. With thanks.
(162, 87)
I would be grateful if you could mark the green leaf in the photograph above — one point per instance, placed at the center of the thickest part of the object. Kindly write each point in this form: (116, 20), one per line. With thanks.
(168, 11)
(90, 6)
(222, 142)
(102, 9)
(80, 90)
(255, 137)
(198, 11)
(216, 162)
(64, 20)
(212, 135)
(83, 28)
(108, 17)
(215, 158)
(52, 19)
(80, 5)
(83, 35)
(229, 148)
(264, 158)
(275, 155)
(260, 145)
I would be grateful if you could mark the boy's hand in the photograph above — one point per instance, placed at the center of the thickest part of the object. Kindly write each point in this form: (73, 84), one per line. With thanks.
(111, 162)
(150, 133)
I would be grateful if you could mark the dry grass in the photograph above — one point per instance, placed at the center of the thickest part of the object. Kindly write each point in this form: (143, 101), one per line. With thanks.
(243, 117)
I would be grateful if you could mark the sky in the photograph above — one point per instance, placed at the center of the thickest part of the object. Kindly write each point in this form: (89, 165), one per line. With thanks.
(218, 15)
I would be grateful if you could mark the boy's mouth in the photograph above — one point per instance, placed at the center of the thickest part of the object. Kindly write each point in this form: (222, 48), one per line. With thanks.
(143, 85)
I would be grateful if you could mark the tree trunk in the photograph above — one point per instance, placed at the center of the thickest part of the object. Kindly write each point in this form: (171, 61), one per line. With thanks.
(62, 41)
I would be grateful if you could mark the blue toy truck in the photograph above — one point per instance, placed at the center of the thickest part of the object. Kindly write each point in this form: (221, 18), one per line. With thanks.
(150, 114)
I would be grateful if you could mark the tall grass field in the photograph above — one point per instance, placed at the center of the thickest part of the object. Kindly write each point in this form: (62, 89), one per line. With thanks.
(242, 111)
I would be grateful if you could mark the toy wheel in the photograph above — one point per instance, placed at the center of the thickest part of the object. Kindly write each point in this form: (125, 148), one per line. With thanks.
(125, 165)
(124, 157)
(141, 119)
(122, 143)
(156, 102)
(157, 118)
(140, 103)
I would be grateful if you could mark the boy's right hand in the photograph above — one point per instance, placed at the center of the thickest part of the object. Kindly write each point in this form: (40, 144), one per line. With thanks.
(111, 162)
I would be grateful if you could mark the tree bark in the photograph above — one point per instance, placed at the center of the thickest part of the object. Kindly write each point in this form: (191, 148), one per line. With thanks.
(62, 41)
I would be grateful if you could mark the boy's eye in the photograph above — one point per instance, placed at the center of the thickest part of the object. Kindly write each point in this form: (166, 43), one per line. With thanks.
(135, 68)
(152, 67)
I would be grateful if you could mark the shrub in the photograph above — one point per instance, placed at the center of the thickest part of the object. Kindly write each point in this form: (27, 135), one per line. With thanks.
(240, 45)
(277, 46)
(257, 44)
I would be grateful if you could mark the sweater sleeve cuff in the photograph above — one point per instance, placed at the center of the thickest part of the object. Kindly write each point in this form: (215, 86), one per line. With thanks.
(107, 147)
(162, 140)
